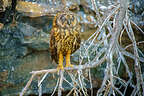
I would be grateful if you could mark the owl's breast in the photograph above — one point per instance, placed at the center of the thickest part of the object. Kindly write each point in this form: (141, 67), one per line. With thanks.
(67, 39)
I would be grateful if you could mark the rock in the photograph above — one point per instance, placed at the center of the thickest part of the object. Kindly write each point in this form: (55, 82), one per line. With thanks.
(16, 59)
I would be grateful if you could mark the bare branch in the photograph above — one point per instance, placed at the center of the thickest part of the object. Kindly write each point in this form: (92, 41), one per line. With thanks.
(61, 72)
(27, 85)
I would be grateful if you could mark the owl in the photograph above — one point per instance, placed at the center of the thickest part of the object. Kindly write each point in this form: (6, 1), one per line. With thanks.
(65, 38)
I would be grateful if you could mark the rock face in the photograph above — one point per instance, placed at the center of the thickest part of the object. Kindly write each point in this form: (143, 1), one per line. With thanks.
(11, 50)
(11, 47)
(137, 10)
(17, 56)
(23, 48)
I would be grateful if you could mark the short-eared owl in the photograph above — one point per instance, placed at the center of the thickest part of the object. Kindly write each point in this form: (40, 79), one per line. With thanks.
(65, 37)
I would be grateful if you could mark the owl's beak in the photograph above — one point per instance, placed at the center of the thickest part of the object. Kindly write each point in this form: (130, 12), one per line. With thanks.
(69, 22)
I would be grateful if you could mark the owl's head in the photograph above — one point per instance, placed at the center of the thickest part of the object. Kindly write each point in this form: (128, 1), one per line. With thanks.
(66, 20)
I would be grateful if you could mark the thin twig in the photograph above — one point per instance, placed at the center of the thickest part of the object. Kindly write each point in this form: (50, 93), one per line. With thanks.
(140, 84)
(81, 83)
(55, 87)
(137, 26)
(140, 42)
(27, 85)
(39, 86)
(42, 79)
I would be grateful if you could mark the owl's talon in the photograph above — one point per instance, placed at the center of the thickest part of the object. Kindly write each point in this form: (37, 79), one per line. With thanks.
(70, 65)
(60, 68)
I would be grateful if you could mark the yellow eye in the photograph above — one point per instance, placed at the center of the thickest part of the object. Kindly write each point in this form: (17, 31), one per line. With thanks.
(72, 18)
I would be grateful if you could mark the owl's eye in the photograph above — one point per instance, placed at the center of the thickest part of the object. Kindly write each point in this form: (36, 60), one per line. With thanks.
(62, 18)
(72, 18)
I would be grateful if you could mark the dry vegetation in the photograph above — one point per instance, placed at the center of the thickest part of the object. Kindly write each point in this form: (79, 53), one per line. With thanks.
(111, 53)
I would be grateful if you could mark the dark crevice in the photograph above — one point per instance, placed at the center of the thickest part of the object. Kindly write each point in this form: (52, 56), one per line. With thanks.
(6, 17)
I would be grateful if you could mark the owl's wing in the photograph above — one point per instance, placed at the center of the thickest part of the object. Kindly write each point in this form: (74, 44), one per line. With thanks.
(53, 48)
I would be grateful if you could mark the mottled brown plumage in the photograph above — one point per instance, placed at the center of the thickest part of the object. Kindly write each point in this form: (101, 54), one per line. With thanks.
(65, 38)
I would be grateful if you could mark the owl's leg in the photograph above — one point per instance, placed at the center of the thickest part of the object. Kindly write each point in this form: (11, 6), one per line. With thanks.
(60, 65)
(68, 64)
